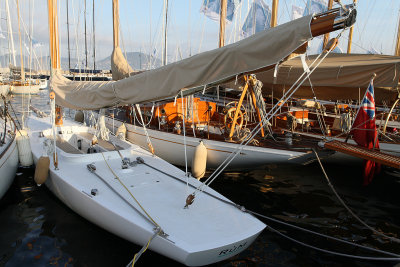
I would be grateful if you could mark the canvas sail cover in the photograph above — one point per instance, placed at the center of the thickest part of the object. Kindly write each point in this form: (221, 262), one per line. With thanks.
(260, 50)
(338, 77)
(120, 67)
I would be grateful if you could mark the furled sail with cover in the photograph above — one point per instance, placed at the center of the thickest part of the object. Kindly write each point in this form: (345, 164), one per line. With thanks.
(338, 77)
(260, 50)
(254, 54)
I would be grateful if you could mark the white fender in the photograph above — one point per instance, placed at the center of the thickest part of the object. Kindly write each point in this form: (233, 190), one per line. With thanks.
(24, 148)
(199, 161)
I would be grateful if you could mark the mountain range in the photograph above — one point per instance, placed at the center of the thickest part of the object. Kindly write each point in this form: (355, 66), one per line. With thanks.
(137, 60)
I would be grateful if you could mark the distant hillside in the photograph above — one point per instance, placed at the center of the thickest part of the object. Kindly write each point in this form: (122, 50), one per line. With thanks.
(137, 60)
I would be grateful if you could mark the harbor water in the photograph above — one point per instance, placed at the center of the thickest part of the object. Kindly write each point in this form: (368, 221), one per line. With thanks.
(37, 229)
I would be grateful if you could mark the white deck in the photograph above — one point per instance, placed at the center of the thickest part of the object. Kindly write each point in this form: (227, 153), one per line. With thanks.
(209, 231)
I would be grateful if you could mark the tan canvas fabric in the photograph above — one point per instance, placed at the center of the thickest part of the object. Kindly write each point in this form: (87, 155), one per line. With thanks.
(256, 52)
(339, 77)
(120, 67)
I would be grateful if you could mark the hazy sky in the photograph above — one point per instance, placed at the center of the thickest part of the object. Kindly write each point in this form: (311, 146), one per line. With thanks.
(189, 31)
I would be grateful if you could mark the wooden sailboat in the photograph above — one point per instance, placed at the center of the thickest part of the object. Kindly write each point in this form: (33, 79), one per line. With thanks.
(339, 79)
(23, 86)
(130, 192)
(210, 121)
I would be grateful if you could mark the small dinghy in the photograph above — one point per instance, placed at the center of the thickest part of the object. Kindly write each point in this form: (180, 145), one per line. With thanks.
(137, 196)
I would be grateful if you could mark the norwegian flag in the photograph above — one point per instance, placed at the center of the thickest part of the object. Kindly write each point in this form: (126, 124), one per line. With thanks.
(365, 133)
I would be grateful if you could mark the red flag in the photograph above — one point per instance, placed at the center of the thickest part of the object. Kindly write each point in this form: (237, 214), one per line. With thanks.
(365, 133)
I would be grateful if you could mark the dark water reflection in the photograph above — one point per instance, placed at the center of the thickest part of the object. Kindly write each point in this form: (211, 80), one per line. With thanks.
(38, 230)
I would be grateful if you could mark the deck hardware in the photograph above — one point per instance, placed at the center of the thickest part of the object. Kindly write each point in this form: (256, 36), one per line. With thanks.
(91, 167)
(41, 134)
(93, 192)
(125, 163)
(139, 160)
(132, 163)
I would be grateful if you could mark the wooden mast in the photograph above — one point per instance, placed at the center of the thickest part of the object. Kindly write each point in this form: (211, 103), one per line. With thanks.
(326, 36)
(54, 54)
(222, 21)
(115, 9)
(350, 35)
(274, 13)
(53, 33)
(20, 45)
(397, 50)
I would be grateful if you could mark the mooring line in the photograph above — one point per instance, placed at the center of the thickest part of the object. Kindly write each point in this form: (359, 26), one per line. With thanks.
(243, 209)
(348, 209)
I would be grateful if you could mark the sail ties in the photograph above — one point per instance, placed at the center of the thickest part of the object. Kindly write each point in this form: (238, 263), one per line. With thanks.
(101, 129)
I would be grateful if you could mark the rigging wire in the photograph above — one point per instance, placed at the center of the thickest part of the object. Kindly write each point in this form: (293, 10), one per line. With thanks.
(266, 118)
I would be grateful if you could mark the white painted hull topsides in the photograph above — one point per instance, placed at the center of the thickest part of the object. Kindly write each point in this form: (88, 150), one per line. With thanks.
(170, 147)
(208, 231)
(8, 161)
(25, 89)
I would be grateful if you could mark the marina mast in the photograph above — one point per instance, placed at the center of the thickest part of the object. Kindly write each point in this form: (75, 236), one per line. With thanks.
(164, 59)
(94, 42)
(222, 22)
(86, 53)
(326, 36)
(11, 39)
(350, 35)
(274, 13)
(69, 50)
(397, 50)
(20, 44)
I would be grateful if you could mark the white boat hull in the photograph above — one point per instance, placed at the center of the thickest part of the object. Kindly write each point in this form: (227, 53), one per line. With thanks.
(25, 89)
(4, 89)
(207, 232)
(43, 84)
(170, 147)
(8, 163)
